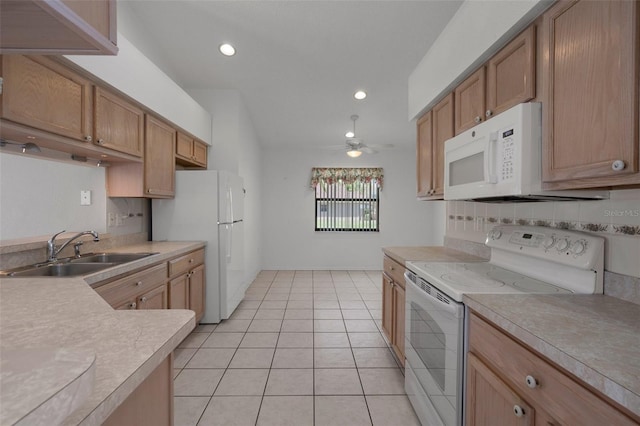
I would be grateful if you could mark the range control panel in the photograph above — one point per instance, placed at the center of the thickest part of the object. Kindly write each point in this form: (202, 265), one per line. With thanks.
(575, 248)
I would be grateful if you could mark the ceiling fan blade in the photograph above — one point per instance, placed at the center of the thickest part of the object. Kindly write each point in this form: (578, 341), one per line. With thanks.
(368, 150)
(383, 146)
(333, 147)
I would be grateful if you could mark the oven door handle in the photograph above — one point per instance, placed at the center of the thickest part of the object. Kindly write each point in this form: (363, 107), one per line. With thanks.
(443, 302)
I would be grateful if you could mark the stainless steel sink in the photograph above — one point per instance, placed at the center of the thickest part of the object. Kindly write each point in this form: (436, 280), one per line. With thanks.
(59, 270)
(76, 266)
(110, 257)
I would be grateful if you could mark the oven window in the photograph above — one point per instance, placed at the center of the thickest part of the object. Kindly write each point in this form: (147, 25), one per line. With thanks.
(467, 170)
(429, 342)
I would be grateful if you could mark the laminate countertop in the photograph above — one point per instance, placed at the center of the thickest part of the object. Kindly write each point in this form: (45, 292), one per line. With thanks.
(428, 254)
(594, 337)
(52, 316)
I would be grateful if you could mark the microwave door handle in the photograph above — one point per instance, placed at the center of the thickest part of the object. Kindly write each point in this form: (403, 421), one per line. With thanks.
(489, 162)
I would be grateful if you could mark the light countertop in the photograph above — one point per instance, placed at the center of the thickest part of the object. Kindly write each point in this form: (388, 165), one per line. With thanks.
(594, 337)
(66, 314)
(428, 254)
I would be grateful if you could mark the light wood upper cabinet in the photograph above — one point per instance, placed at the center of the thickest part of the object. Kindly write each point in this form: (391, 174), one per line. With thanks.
(58, 27)
(41, 93)
(443, 129)
(434, 128)
(118, 124)
(591, 94)
(424, 155)
(159, 165)
(511, 74)
(190, 152)
(470, 101)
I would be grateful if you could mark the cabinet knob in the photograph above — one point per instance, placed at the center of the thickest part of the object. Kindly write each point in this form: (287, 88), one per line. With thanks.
(139, 283)
(488, 113)
(531, 382)
(88, 138)
(100, 141)
(149, 191)
(518, 411)
(143, 299)
(133, 305)
(190, 260)
(477, 119)
(618, 165)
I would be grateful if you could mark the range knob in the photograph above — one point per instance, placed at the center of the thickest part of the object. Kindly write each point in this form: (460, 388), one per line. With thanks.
(578, 247)
(563, 244)
(548, 242)
(495, 234)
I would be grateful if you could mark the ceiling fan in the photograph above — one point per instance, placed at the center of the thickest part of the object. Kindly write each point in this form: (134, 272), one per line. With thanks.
(355, 146)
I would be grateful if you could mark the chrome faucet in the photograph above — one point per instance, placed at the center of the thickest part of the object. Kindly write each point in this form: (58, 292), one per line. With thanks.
(51, 244)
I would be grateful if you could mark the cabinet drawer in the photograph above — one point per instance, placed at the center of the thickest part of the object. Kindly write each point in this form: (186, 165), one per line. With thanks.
(564, 399)
(131, 286)
(394, 270)
(182, 264)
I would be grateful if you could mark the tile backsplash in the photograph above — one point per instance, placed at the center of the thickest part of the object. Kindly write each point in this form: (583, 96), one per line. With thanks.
(616, 219)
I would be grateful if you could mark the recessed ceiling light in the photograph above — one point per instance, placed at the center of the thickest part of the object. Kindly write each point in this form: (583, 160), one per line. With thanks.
(360, 95)
(349, 134)
(227, 50)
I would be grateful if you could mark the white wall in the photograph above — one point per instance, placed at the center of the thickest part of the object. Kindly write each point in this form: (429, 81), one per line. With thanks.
(476, 31)
(236, 148)
(289, 239)
(40, 197)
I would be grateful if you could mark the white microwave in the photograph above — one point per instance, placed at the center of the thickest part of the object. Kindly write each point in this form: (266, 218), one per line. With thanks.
(500, 160)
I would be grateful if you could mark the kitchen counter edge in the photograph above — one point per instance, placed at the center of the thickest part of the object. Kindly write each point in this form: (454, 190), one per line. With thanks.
(428, 254)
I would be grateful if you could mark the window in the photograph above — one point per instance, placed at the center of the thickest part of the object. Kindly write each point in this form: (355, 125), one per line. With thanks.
(347, 199)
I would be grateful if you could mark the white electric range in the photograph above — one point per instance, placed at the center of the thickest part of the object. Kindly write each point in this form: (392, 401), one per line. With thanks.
(524, 259)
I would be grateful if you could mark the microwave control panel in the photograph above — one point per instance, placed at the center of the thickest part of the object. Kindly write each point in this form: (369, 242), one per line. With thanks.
(507, 154)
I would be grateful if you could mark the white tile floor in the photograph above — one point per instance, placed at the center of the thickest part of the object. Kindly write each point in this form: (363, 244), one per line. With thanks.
(303, 348)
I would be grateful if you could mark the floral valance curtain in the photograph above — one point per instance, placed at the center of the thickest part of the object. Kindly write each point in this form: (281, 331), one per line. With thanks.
(347, 175)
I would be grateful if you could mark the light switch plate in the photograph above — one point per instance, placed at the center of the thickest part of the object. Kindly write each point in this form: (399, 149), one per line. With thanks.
(85, 198)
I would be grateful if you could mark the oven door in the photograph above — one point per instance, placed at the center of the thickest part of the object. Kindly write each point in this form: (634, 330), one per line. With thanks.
(434, 353)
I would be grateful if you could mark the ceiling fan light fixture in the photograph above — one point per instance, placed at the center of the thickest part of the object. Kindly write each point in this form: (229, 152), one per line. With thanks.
(354, 153)
(360, 95)
(350, 134)
(227, 50)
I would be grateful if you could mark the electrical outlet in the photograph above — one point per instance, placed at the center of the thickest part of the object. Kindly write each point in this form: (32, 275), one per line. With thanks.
(111, 219)
(85, 198)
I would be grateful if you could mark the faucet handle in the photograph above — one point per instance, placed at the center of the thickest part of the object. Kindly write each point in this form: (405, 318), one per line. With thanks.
(76, 248)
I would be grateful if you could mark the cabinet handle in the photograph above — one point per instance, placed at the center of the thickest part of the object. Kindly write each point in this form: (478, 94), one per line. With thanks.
(139, 283)
(531, 382)
(88, 138)
(132, 305)
(518, 411)
(618, 165)
(477, 119)
(100, 141)
(488, 113)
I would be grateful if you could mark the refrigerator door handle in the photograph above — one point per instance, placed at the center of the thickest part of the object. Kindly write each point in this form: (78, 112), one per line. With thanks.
(230, 204)
(229, 248)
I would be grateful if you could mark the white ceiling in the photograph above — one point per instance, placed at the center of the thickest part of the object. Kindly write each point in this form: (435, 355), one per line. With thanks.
(298, 63)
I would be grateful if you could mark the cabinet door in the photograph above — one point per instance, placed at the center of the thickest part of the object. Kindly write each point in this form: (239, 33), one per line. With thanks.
(179, 292)
(442, 130)
(424, 155)
(159, 163)
(43, 94)
(398, 325)
(387, 306)
(154, 299)
(592, 97)
(470, 101)
(184, 146)
(511, 74)
(125, 306)
(197, 288)
(200, 153)
(490, 402)
(118, 124)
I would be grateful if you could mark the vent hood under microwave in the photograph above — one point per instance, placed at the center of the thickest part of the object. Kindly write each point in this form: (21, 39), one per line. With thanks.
(500, 160)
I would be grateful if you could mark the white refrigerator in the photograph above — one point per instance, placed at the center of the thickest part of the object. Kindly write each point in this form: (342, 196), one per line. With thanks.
(208, 206)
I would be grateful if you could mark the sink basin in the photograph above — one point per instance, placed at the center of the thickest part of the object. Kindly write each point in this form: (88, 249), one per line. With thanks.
(110, 257)
(61, 270)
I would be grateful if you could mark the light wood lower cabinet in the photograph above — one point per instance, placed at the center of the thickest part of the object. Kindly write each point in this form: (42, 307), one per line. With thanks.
(154, 299)
(151, 403)
(126, 292)
(187, 285)
(507, 383)
(393, 305)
